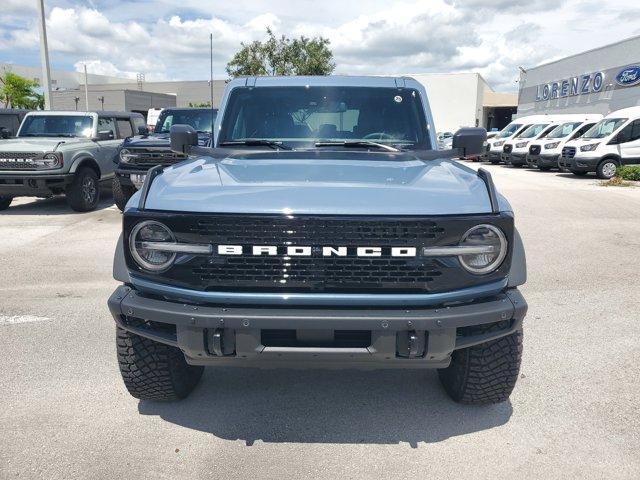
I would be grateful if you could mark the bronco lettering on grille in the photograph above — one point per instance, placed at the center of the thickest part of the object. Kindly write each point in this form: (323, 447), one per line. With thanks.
(308, 251)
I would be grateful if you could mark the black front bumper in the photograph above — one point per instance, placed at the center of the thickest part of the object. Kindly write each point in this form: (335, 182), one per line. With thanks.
(399, 337)
(518, 158)
(33, 185)
(543, 161)
(124, 174)
(579, 164)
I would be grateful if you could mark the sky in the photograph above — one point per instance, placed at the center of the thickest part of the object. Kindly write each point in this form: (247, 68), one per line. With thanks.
(169, 40)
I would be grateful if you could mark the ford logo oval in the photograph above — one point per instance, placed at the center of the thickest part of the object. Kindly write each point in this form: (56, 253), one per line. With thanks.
(629, 76)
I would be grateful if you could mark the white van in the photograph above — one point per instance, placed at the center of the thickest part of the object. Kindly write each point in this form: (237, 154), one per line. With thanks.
(514, 151)
(494, 145)
(545, 152)
(613, 141)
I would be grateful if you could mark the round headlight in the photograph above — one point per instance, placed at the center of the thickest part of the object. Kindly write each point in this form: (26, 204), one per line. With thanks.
(491, 246)
(49, 160)
(125, 155)
(146, 233)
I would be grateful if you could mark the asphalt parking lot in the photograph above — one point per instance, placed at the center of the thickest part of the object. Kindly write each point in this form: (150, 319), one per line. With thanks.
(64, 412)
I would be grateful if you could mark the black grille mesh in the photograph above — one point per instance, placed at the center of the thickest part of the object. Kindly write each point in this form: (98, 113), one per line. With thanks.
(507, 148)
(317, 273)
(17, 160)
(534, 149)
(569, 152)
(155, 156)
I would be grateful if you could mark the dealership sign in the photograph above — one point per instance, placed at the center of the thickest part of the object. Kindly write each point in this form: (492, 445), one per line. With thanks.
(569, 87)
(629, 76)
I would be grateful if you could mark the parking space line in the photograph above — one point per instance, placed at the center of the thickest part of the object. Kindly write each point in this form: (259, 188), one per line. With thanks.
(15, 319)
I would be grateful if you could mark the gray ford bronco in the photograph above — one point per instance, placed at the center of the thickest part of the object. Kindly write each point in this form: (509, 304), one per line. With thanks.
(322, 229)
(63, 152)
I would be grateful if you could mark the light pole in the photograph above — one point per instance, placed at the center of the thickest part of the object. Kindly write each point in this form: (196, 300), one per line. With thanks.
(44, 57)
(101, 100)
(76, 99)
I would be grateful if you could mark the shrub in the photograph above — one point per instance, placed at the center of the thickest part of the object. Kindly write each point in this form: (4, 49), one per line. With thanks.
(629, 172)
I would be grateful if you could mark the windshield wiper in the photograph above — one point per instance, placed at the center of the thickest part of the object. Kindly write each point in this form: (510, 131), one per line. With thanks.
(358, 144)
(256, 142)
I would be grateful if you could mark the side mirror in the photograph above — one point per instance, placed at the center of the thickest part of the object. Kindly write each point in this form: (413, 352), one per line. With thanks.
(143, 130)
(4, 133)
(183, 137)
(469, 140)
(105, 135)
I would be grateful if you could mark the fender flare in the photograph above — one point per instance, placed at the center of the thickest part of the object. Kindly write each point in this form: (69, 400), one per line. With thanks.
(120, 271)
(518, 271)
(88, 162)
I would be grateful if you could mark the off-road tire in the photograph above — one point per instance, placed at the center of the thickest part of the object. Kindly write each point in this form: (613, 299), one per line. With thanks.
(485, 373)
(152, 370)
(83, 194)
(578, 173)
(603, 170)
(5, 202)
(121, 193)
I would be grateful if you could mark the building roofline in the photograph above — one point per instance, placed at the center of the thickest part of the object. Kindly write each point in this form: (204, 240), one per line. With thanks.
(635, 37)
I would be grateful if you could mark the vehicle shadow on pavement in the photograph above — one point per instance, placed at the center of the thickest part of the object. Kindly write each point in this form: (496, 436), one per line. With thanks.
(320, 406)
(56, 205)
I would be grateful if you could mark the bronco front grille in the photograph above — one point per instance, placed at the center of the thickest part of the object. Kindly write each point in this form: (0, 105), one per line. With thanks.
(155, 156)
(317, 273)
(569, 152)
(534, 149)
(18, 160)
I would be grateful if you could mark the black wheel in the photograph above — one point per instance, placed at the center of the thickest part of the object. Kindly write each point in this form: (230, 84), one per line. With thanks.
(152, 370)
(121, 193)
(577, 173)
(5, 202)
(484, 373)
(606, 169)
(84, 192)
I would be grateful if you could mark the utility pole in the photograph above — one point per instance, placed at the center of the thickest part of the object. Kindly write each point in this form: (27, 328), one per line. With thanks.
(44, 57)
(86, 88)
(211, 81)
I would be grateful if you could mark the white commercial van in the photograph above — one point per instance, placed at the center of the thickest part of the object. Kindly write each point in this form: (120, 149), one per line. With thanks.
(545, 152)
(494, 145)
(514, 151)
(613, 141)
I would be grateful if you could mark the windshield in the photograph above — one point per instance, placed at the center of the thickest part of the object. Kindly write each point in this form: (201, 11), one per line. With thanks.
(198, 119)
(56, 126)
(508, 130)
(604, 128)
(302, 116)
(533, 130)
(563, 130)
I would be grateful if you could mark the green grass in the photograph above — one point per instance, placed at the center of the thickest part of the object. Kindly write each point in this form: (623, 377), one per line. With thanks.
(629, 172)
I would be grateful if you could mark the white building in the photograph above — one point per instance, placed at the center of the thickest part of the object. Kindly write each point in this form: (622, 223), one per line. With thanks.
(596, 81)
(465, 100)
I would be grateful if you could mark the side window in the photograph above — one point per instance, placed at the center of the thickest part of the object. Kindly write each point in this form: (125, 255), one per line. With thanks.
(635, 131)
(124, 128)
(107, 124)
(581, 130)
(138, 122)
(629, 133)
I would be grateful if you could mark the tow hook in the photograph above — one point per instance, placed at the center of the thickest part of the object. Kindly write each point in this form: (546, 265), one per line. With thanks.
(410, 344)
(222, 342)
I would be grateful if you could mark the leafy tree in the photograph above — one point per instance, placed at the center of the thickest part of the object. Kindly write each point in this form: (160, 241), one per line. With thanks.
(19, 92)
(283, 56)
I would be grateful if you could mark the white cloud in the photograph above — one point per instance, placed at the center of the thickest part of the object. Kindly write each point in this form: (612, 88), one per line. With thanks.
(172, 39)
